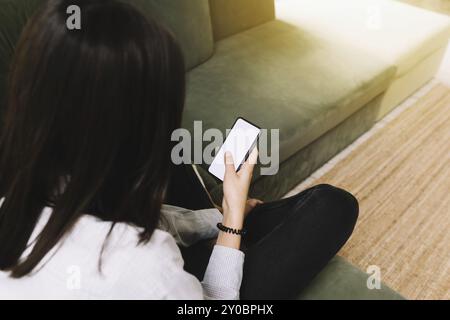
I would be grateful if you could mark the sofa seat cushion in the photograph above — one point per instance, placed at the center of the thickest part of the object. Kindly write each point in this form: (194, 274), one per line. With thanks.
(401, 34)
(280, 76)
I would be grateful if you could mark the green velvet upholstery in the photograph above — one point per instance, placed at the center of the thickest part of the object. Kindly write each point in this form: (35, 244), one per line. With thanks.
(229, 17)
(281, 77)
(340, 280)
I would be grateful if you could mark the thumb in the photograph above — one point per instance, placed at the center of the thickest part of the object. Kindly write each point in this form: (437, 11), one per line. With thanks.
(229, 163)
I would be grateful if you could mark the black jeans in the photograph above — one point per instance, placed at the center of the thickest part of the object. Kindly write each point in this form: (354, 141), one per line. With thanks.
(287, 242)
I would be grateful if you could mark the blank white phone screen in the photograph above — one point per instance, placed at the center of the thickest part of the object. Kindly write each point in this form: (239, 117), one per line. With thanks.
(240, 139)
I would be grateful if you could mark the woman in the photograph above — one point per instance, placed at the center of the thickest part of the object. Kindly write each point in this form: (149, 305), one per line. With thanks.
(85, 168)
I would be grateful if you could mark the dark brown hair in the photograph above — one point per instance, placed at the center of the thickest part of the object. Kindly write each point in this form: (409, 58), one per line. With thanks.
(88, 123)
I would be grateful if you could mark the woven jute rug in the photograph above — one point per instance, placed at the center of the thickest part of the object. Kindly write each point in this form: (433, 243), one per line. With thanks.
(401, 177)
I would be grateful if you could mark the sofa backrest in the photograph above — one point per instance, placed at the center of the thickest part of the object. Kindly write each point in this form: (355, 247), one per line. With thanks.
(189, 20)
(229, 17)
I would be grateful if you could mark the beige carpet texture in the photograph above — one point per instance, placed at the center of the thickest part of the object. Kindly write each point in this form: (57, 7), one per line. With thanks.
(401, 177)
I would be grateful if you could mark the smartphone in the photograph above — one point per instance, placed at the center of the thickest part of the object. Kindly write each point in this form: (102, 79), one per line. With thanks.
(240, 141)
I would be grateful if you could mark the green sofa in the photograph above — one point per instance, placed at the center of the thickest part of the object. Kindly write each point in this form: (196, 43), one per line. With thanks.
(320, 81)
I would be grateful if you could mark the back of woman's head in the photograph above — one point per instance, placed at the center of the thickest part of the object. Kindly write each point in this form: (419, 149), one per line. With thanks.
(88, 123)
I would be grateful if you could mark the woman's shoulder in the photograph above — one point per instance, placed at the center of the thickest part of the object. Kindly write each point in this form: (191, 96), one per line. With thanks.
(124, 238)
(110, 263)
(133, 268)
(149, 270)
(91, 234)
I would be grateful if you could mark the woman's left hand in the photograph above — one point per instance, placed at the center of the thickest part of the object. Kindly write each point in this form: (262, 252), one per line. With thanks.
(251, 204)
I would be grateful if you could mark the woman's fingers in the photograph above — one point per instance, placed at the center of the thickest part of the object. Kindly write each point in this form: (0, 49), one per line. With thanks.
(254, 202)
(258, 202)
(249, 165)
(246, 168)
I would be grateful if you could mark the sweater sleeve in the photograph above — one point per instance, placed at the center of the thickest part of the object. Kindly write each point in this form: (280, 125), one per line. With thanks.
(189, 226)
(223, 276)
(158, 273)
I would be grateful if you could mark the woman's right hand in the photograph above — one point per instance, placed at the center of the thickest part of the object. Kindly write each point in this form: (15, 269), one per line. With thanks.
(235, 192)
